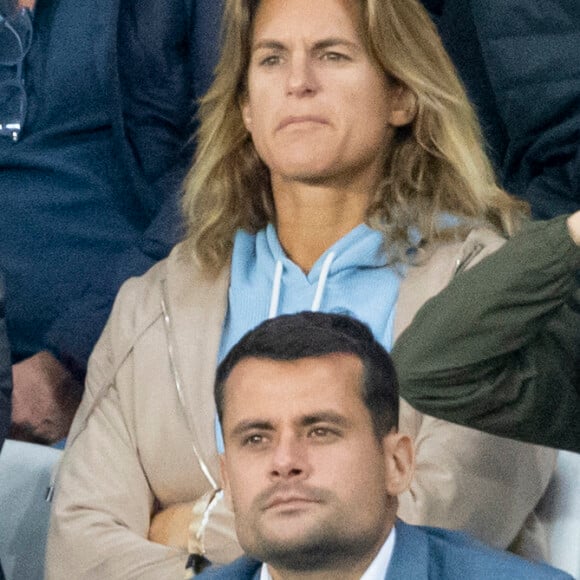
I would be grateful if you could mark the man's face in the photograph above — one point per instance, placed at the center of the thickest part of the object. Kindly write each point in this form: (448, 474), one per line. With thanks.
(318, 107)
(308, 478)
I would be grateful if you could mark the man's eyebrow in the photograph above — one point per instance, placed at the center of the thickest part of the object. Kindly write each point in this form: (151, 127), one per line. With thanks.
(249, 425)
(325, 417)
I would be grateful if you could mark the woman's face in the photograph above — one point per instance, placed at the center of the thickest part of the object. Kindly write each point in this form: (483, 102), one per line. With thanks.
(319, 109)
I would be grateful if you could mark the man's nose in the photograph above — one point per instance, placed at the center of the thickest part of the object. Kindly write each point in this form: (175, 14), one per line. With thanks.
(289, 459)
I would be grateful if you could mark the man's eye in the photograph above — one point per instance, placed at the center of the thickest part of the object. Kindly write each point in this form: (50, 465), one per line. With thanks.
(254, 439)
(321, 432)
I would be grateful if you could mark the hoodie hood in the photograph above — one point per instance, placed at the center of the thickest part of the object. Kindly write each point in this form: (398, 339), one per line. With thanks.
(351, 277)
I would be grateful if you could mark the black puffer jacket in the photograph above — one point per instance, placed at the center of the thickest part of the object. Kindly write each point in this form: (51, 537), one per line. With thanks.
(5, 374)
(520, 62)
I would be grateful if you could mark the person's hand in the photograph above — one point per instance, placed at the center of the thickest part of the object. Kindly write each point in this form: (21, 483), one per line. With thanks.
(170, 526)
(574, 227)
(45, 397)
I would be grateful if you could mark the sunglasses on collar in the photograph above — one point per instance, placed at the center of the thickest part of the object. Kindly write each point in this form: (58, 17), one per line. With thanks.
(15, 41)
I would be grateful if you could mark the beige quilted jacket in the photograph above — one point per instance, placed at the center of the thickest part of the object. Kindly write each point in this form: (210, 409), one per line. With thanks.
(143, 438)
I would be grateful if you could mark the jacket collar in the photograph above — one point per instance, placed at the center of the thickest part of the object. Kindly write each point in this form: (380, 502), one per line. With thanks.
(410, 558)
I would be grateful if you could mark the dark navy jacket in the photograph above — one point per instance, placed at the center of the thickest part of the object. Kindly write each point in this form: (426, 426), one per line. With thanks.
(5, 373)
(520, 62)
(90, 192)
(5, 381)
(424, 553)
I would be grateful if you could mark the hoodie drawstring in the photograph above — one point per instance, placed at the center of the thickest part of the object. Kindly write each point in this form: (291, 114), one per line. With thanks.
(322, 282)
(276, 286)
(276, 290)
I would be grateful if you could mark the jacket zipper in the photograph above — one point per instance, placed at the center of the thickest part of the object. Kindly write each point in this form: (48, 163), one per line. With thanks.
(171, 350)
(462, 263)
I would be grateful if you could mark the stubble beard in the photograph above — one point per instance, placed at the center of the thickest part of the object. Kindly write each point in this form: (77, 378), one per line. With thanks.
(325, 546)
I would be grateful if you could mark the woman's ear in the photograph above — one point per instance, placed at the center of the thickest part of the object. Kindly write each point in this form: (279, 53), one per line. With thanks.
(246, 113)
(399, 456)
(404, 106)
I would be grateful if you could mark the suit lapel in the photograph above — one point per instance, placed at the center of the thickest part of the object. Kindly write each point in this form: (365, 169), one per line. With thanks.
(410, 560)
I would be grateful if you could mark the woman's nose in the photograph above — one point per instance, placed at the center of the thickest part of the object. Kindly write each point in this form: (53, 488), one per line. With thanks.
(302, 78)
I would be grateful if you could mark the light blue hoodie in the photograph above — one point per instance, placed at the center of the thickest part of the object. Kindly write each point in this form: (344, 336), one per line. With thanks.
(351, 278)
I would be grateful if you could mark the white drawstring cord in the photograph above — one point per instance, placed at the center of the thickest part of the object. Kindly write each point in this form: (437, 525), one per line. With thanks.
(171, 351)
(274, 300)
(322, 282)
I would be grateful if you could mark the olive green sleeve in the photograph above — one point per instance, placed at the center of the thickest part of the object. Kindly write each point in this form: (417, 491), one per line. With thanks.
(499, 348)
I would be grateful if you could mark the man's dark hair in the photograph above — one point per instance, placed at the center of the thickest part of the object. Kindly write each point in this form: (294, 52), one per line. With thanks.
(314, 334)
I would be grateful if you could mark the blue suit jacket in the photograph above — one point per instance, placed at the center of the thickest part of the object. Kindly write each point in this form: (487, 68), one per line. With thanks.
(423, 553)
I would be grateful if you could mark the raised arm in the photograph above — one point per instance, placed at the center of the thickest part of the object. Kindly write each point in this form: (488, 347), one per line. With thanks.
(518, 375)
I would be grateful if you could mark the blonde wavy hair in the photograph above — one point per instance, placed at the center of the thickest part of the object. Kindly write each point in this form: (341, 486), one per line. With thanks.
(434, 166)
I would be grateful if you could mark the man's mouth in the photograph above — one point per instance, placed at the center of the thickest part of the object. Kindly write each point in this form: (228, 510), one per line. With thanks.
(289, 502)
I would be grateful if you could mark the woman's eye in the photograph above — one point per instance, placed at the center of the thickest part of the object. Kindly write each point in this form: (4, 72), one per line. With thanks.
(271, 60)
(334, 56)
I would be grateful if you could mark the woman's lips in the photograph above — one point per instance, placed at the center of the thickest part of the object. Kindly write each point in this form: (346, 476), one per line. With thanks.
(301, 120)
